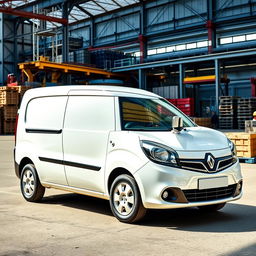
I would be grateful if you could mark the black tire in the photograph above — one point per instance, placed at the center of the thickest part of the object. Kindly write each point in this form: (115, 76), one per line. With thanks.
(126, 206)
(211, 208)
(30, 185)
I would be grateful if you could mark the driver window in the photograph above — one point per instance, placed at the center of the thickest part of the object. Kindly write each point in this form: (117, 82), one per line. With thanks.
(138, 113)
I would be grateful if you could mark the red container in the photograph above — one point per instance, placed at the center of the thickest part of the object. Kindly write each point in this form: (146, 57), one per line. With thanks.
(173, 101)
(186, 106)
(182, 107)
(186, 101)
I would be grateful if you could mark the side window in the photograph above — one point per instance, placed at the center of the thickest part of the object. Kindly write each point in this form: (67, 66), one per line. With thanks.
(46, 112)
(90, 113)
(135, 111)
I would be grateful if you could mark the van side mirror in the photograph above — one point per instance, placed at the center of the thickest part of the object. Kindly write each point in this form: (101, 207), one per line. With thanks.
(177, 123)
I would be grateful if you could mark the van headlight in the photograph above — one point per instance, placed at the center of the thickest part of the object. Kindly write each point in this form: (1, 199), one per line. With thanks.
(232, 147)
(159, 153)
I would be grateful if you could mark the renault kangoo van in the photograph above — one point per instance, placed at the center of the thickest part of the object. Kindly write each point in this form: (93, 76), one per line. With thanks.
(129, 146)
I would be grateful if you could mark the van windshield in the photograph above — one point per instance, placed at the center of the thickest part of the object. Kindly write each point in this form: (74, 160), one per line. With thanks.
(149, 114)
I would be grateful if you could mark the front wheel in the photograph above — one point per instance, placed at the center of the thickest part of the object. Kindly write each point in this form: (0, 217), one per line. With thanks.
(211, 208)
(30, 185)
(125, 200)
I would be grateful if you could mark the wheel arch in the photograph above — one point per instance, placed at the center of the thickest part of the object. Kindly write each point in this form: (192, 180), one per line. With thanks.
(24, 162)
(114, 174)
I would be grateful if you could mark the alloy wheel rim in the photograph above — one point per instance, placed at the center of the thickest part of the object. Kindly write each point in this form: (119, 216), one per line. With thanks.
(124, 198)
(28, 183)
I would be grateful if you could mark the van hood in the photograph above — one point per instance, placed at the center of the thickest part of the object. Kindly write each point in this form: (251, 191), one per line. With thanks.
(189, 139)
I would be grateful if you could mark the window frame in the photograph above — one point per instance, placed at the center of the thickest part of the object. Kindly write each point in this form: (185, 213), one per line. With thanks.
(42, 97)
(122, 128)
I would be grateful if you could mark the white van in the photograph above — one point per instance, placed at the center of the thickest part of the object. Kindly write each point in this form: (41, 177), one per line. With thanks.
(123, 144)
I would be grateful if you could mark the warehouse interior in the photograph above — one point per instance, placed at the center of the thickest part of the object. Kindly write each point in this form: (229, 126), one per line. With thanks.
(94, 163)
(196, 49)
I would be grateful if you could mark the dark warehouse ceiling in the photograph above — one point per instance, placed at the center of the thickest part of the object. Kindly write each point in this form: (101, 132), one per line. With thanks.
(83, 10)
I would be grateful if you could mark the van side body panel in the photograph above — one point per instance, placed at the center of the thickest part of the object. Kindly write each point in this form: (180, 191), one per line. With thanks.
(42, 136)
(124, 152)
(88, 121)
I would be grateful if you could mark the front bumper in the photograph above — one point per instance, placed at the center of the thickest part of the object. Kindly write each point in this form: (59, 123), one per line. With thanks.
(154, 179)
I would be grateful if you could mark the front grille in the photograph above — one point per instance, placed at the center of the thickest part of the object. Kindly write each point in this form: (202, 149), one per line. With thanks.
(196, 195)
(194, 166)
(201, 165)
(225, 163)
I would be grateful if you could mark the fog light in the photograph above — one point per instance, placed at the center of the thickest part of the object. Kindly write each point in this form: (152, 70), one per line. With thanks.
(173, 195)
(165, 195)
(169, 195)
(238, 188)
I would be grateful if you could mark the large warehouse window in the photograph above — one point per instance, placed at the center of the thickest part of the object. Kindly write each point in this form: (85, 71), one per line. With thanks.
(178, 47)
(237, 38)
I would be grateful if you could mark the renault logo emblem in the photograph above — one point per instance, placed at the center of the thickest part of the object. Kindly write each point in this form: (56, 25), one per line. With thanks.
(210, 161)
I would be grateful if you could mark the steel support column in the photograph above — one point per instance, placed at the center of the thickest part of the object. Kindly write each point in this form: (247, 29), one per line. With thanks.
(143, 48)
(1, 49)
(92, 32)
(181, 79)
(142, 38)
(217, 84)
(15, 52)
(142, 79)
(211, 26)
(65, 42)
(211, 35)
(253, 86)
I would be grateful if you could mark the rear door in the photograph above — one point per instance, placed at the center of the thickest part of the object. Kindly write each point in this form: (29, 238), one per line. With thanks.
(88, 122)
(43, 127)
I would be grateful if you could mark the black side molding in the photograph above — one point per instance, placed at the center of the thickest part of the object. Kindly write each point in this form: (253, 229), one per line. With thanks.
(44, 131)
(50, 160)
(72, 164)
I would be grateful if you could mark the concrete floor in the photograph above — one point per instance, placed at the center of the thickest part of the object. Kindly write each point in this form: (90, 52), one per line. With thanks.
(69, 224)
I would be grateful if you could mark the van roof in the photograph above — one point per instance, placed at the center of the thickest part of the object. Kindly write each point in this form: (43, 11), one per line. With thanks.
(88, 90)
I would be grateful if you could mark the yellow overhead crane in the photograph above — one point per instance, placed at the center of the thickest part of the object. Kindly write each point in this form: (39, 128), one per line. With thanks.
(30, 69)
(204, 79)
(200, 79)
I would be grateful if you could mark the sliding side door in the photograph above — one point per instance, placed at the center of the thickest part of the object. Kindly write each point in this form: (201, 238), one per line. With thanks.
(88, 122)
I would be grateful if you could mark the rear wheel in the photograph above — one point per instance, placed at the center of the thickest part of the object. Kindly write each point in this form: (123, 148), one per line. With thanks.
(211, 208)
(30, 185)
(125, 200)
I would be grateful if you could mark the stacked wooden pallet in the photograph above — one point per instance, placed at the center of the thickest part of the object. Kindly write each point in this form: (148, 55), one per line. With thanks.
(245, 109)
(203, 121)
(228, 112)
(10, 97)
(9, 100)
(22, 90)
(245, 143)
